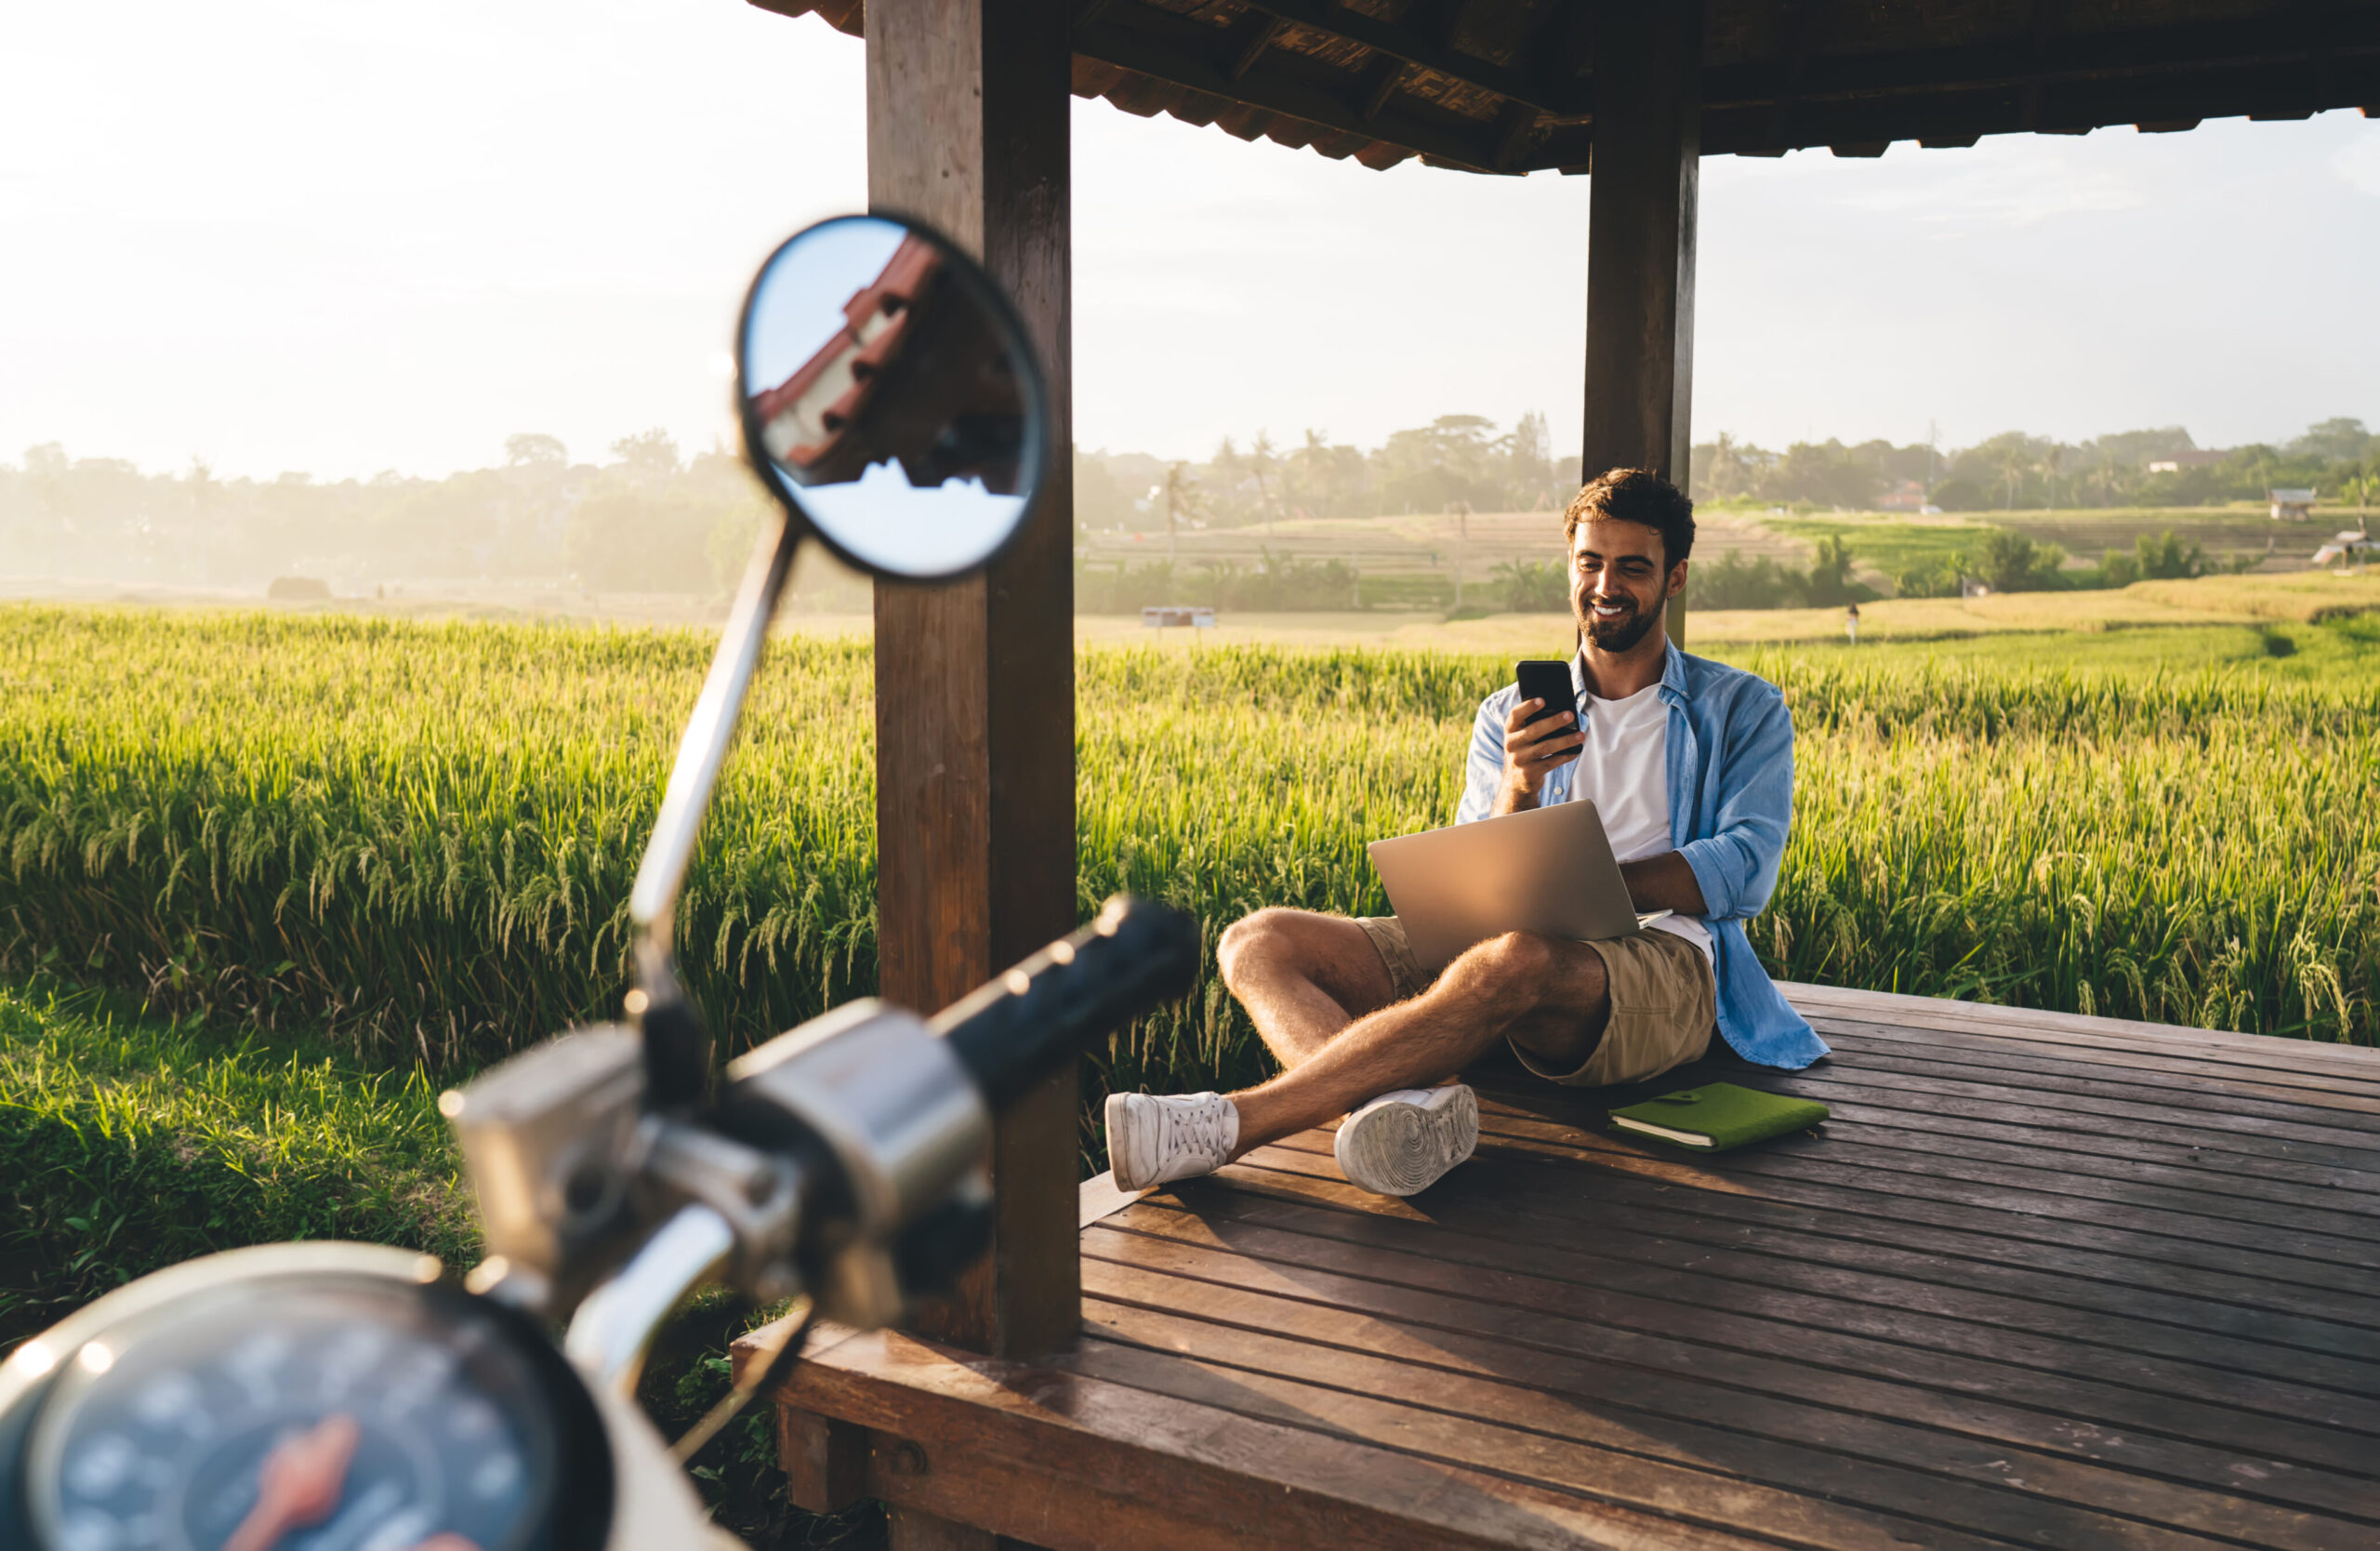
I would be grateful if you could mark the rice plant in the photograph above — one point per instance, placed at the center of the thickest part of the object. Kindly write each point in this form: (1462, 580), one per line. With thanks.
(421, 837)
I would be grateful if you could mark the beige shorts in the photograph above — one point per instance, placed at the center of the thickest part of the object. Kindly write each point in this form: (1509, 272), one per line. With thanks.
(1663, 1003)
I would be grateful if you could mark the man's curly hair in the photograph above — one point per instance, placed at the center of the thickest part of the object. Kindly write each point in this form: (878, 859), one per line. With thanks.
(1635, 495)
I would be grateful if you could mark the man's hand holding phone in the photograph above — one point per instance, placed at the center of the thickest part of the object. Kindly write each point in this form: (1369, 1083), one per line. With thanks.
(1535, 746)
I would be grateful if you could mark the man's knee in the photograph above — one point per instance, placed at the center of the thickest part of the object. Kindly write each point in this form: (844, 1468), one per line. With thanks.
(1520, 973)
(1514, 964)
(1253, 940)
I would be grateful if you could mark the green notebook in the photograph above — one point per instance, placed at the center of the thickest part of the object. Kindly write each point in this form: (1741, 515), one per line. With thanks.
(1719, 1116)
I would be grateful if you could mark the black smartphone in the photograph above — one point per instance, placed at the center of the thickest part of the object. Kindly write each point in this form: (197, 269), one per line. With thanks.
(1549, 682)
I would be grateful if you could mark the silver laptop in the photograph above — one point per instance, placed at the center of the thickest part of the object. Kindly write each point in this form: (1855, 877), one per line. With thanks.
(1548, 870)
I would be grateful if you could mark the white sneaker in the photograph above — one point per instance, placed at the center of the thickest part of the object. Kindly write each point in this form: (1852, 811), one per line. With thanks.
(1155, 1137)
(1402, 1142)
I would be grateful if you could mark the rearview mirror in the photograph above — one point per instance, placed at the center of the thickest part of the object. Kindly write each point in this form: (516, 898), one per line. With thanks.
(891, 404)
(889, 397)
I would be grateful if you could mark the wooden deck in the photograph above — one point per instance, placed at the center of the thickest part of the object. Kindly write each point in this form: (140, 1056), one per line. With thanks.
(2043, 1280)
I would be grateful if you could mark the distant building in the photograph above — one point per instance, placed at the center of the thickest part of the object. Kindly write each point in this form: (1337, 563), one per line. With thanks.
(2193, 458)
(1906, 496)
(2292, 506)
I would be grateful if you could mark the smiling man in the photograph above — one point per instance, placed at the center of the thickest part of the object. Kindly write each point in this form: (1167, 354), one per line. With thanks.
(1690, 764)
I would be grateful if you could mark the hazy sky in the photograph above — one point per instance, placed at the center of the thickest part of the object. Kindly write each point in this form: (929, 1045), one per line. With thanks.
(344, 239)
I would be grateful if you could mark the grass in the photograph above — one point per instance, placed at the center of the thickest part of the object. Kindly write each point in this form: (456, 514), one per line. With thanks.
(2170, 611)
(129, 1142)
(1893, 544)
(419, 838)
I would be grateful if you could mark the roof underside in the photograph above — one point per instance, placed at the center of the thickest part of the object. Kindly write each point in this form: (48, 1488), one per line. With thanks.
(1509, 86)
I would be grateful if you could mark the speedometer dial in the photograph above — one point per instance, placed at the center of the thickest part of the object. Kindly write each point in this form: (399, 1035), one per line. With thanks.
(324, 1414)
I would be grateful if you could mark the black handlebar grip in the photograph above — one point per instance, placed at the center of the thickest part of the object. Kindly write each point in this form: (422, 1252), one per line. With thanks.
(1026, 1023)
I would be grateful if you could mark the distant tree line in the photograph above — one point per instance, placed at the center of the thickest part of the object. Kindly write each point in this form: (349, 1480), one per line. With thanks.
(650, 519)
(647, 521)
(2013, 471)
(1455, 462)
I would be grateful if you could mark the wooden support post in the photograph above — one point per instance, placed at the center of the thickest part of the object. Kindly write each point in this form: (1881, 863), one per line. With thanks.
(967, 128)
(1640, 243)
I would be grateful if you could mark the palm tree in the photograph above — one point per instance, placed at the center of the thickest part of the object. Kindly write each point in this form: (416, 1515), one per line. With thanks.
(1261, 462)
(1179, 490)
(1313, 464)
(2052, 458)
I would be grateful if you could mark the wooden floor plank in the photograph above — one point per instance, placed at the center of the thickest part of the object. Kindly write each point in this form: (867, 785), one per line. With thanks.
(2020, 1226)
(2260, 1309)
(1833, 1083)
(2231, 1173)
(2264, 1077)
(2332, 1208)
(1571, 1321)
(1797, 1169)
(1223, 1477)
(1591, 1114)
(1770, 1393)
(1662, 1475)
(1875, 1464)
(1901, 1199)
(2288, 1252)
(1976, 1095)
(2150, 1079)
(2108, 1096)
(1567, 1277)
(2013, 1298)
(2041, 1281)
(1920, 1012)
(2266, 1059)
(2281, 1225)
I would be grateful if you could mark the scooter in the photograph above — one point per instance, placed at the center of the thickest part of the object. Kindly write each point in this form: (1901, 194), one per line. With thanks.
(331, 1396)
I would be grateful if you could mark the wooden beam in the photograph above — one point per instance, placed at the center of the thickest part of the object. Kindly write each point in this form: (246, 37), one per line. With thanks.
(1786, 93)
(1425, 39)
(1642, 199)
(967, 128)
(1160, 44)
(825, 1461)
(2197, 51)
(1513, 129)
(1267, 28)
(1788, 31)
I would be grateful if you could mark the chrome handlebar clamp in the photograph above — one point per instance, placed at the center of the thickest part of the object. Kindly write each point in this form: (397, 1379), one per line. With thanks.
(573, 1174)
(890, 1104)
(553, 1142)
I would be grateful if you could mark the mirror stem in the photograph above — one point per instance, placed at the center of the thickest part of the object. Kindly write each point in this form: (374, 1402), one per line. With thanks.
(677, 1051)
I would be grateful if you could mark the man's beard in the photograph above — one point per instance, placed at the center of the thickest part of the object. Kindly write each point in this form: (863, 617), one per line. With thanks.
(1619, 635)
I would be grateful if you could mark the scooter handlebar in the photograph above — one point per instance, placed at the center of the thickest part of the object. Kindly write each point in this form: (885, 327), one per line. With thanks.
(1012, 1031)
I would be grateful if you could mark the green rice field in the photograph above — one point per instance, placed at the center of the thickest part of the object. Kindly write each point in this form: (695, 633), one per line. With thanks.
(418, 839)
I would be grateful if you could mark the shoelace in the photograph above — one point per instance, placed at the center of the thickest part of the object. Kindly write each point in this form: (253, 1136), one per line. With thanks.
(1199, 1129)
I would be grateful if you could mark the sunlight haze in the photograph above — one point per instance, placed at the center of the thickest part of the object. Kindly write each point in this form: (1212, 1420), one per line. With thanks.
(291, 237)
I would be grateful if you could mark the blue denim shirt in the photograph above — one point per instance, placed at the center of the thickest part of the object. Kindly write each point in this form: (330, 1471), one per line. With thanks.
(1731, 804)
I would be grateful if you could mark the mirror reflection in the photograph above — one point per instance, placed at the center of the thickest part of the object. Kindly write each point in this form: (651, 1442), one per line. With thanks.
(891, 396)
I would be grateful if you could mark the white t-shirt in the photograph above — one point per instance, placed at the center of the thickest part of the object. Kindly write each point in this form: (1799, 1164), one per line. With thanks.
(1624, 766)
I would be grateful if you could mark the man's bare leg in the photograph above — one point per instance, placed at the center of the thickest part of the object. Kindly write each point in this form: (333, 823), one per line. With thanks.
(1302, 978)
(1549, 996)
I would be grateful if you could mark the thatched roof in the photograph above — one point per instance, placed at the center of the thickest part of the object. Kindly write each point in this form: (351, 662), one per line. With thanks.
(1509, 86)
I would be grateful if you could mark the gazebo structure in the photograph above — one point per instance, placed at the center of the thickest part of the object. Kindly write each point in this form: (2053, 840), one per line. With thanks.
(2058, 1329)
